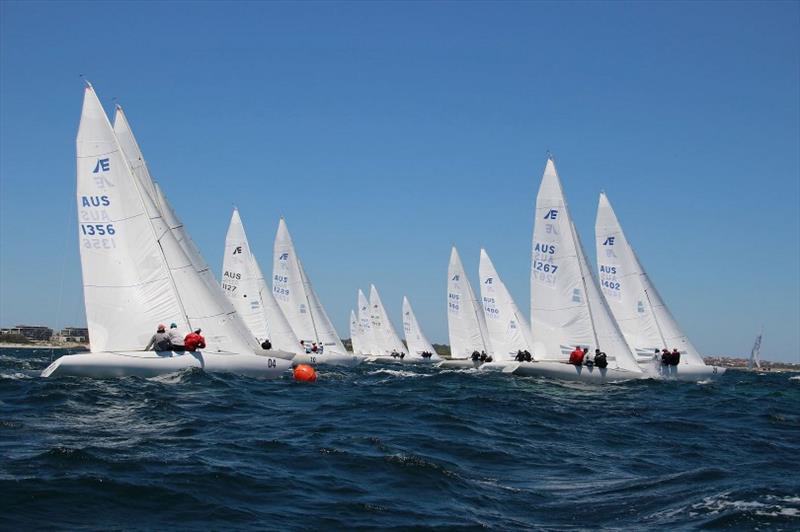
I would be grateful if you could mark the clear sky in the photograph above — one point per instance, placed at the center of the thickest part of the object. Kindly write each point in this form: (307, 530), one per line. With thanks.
(385, 132)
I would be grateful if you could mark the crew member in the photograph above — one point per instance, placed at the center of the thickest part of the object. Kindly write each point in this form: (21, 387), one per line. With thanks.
(266, 344)
(194, 341)
(588, 358)
(175, 338)
(476, 356)
(675, 359)
(576, 357)
(160, 340)
(665, 357)
(600, 360)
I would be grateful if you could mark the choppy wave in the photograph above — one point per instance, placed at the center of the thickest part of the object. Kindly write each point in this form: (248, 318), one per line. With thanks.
(379, 446)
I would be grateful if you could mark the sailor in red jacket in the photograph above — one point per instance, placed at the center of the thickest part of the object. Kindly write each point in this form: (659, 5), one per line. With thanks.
(193, 341)
(576, 357)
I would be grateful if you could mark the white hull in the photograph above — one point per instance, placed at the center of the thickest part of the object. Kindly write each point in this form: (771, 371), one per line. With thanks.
(688, 372)
(570, 372)
(152, 363)
(459, 363)
(330, 360)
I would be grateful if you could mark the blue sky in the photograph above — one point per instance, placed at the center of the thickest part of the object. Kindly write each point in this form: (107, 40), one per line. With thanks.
(386, 132)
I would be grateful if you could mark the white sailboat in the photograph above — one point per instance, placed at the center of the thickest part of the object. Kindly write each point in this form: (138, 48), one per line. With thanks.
(415, 339)
(567, 309)
(507, 328)
(355, 335)
(244, 285)
(301, 306)
(387, 342)
(136, 274)
(643, 317)
(365, 325)
(466, 323)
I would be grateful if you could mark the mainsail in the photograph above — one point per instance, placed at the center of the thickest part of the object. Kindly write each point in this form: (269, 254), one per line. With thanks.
(508, 329)
(365, 324)
(465, 320)
(415, 339)
(567, 308)
(355, 335)
(135, 272)
(296, 297)
(638, 308)
(386, 339)
(204, 304)
(244, 285)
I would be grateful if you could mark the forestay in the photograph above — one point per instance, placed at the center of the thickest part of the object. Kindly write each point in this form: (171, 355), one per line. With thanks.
(384, 333)
(465, 320)
(415, 339)
(637, 306)
(508, 330)
(567, 308)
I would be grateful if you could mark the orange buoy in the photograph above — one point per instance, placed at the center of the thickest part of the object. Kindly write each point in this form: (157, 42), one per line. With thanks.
(304, 373)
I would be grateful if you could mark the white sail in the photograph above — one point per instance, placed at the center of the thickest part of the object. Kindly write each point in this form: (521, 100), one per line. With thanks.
(384, 333)
(203, 303)
(465, 320)
(415, 339)
(296, 297)
(637, 306)
(567, 308)
(244, 285)
(508, 329)
(355, 334)
(126, 281)
(365, 324)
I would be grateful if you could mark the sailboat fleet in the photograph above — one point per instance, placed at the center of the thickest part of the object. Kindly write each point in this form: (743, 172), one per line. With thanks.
(141, 267)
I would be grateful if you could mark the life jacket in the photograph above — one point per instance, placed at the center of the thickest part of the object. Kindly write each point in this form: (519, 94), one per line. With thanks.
(674, 358)
(193, 341)
(600, 360)
(576, 357)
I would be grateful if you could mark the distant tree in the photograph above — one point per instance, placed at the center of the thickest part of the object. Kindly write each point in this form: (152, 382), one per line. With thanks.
(13, 338)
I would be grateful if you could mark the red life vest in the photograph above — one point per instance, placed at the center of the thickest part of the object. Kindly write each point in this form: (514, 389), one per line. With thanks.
(194, 341)
(576, 357)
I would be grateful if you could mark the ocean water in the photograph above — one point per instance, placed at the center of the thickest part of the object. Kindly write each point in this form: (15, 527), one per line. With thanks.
(388, 447)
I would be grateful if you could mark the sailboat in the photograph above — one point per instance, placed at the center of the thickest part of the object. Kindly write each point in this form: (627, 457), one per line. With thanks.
(643, 317)
(386, 341)
(508, 329)
(136, 274)
(364, 316)
(755, 353)
(466, 323)
(415, 339)
(355, 335)
(567, 309)
(300, 304)
(244, 285)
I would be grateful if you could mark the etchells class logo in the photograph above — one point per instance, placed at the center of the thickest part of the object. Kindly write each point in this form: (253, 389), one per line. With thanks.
(488, 280)
(456, 277)
(284, 256)
(102, 166)
(552, 214)
(609, 241)
(238, 250)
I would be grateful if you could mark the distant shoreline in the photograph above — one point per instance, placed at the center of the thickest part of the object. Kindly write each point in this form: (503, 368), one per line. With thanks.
(43, 346)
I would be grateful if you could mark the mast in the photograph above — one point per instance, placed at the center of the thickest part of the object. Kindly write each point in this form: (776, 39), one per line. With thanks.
(308, 301)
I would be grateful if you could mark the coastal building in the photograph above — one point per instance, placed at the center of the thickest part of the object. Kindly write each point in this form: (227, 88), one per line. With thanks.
(73, 334)
(31, 332)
